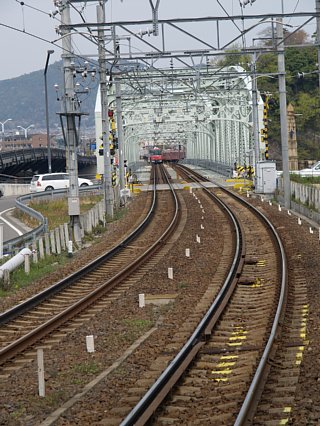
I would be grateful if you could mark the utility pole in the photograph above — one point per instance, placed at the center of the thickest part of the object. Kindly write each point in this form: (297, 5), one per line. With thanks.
(119, 112)
(69, 111)
(255, 117)
(107, 185)
(49, 52)
(283, 115)
(318, 35)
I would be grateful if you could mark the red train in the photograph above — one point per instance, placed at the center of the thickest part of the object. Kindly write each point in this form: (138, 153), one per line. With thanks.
(157, 155)
(173, 155)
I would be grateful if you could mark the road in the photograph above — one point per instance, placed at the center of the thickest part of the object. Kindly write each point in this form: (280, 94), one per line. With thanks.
(11, 227)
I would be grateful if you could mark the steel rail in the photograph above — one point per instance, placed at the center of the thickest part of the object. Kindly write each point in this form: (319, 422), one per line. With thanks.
(250, 401)
(40, 297)
(146, 407)
(35, 335)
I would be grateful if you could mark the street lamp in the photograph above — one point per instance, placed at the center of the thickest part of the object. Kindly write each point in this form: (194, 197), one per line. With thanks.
(49, 52)
(2, 124)
(26, 130)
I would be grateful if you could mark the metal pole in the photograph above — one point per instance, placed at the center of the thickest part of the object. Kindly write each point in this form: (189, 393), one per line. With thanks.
(119, 115)
(120, 133)
(318, 35)
(283, 115)
(49, 52)
(70, 114)
(255, 118)
(107, 185)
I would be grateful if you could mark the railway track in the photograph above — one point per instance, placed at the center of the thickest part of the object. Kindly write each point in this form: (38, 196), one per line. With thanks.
(223, 356)
(29, 323)
(219, 374)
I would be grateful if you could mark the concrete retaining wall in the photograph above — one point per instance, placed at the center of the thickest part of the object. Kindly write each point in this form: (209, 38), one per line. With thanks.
(15, 189)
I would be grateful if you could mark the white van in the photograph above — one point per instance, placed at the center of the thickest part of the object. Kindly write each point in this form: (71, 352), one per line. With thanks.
(51, 181)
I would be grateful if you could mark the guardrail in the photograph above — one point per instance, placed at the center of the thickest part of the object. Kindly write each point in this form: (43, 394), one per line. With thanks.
(32, 235)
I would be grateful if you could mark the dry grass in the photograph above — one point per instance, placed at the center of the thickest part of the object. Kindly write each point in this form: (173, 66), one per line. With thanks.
(56, 211)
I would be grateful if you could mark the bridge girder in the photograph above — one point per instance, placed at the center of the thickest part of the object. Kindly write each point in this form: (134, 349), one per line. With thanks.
(208, 111)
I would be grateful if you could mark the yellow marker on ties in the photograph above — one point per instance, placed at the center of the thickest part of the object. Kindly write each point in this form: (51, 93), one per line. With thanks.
(229, 357)
(237, 338)
(226, 364)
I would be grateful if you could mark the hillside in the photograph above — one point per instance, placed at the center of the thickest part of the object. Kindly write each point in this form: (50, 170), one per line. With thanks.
(23, 100)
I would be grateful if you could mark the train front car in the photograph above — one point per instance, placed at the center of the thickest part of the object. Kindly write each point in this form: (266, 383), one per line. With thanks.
(156, 156)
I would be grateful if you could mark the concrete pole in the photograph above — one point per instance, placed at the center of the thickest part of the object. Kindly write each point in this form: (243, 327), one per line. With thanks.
(283, 115)
(70, 113)
(107, 185)
(318, 35)
(49, 52)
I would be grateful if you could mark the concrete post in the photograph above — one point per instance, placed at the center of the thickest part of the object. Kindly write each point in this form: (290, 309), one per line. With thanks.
(47, 243)
(41, 248)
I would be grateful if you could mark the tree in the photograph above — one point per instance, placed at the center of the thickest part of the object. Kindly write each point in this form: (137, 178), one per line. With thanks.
(295, 38)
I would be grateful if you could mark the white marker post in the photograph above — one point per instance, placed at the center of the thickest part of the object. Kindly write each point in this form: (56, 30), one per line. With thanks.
(27, 264)
(70, 249)
(299, 221)
(142, 303)
(90, 343)
(187, 252)
(1, 240)
(42, 391)
(170, 273)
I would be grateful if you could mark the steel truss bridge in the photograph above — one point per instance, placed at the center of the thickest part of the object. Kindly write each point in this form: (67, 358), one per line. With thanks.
(209, 112)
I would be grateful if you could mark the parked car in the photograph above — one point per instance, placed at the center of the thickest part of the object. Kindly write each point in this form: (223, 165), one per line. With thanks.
(51, 181)
(312, 171)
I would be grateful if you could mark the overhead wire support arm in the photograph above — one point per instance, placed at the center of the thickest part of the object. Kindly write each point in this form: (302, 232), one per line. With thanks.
(155, 17)
(198, 19)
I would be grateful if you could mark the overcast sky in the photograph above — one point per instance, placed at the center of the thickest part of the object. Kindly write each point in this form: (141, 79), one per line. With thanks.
(22, 54)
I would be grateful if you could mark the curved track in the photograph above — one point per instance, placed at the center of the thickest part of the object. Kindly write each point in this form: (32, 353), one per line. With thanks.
(218, 375)
(31, 321)
(217, 326)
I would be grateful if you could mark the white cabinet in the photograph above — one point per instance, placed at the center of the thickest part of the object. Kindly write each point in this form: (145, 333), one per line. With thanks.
(266, 177)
